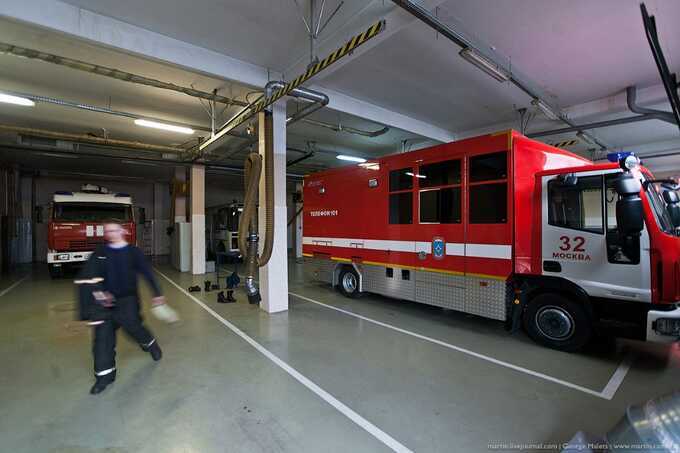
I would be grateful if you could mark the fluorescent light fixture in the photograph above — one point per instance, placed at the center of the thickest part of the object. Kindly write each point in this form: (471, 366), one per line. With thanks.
(163, 126)
(16, 100)
(62, 156)
(138, 162)
(361, 160)
(486, 65)
(417, 176)
(546, 109)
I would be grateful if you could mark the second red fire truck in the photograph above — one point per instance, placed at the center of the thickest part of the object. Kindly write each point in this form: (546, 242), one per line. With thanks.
(76, 224)
(508, 228)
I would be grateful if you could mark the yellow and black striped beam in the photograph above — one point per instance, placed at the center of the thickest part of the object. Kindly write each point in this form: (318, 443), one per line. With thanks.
(564, 144)
(265, 102)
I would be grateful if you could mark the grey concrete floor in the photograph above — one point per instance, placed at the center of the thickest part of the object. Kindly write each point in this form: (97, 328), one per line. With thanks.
(214, 392)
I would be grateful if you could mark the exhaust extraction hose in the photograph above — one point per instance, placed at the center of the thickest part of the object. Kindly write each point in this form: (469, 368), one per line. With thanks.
(247, 230)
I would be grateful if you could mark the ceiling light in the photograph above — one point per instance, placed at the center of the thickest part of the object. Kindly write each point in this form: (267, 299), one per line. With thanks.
(351, 158)
(484, 64)
(62, 156)
(546, 109)
(138, 162)
(9, 99)
(163, 126)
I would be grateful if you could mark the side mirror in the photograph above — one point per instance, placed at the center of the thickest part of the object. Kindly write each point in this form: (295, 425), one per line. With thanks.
(629, 211)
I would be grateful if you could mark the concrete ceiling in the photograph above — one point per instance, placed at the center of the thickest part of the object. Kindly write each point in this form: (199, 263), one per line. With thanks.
(584, 52)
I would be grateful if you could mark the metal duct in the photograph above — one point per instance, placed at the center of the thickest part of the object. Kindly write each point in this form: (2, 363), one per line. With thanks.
(11, 49)
(84, 138)
(349, 130)
(631, 94)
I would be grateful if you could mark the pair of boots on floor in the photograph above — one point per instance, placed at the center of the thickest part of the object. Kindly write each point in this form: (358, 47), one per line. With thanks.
(226, 300)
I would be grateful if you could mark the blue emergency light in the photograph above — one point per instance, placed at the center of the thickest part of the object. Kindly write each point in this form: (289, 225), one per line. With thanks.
(618, 156)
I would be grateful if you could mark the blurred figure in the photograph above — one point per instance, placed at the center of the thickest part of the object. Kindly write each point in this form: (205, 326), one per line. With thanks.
(109, 299)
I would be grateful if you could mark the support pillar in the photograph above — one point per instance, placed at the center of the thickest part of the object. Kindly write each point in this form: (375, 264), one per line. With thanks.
(197, 188)
(274, 276)
(298, 223)
(180, 201)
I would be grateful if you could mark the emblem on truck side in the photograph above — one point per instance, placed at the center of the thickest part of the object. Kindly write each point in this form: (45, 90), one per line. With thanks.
(438, 248)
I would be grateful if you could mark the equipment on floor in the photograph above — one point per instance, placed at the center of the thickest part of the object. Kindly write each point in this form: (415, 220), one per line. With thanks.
(206, 286)
(507, 228)
(215, 286)
(194, 289)
(226, 300)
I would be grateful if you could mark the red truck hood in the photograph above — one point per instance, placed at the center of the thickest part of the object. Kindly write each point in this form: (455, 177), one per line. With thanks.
(74, 236)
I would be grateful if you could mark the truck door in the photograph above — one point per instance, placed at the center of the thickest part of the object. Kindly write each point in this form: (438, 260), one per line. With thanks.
(580, 240)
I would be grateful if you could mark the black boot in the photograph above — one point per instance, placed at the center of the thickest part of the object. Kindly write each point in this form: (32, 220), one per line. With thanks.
(194, 289)
(154, 350)
(102, 382)
(220, 298)
(230, 296)
(207, 286)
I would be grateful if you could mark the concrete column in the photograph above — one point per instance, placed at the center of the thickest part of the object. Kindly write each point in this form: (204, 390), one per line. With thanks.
(274, 275)
(298, 224)
(197, 188)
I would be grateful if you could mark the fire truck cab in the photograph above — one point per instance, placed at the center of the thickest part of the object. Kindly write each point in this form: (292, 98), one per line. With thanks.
(507, 228)
(75, 227)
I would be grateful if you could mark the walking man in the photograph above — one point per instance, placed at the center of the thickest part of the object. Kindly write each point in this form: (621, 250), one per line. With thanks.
(109, 299)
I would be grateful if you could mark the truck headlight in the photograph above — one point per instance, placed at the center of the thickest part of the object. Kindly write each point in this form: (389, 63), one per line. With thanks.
(667, 326)
(62, 257)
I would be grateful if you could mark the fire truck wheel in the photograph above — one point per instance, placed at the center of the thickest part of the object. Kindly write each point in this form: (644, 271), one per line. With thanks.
(348, 282)
(55, 272)
(557, 322)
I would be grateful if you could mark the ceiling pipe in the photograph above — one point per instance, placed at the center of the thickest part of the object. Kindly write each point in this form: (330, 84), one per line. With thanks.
(631, 92)
(465, 43)
(318, 100)
(350, 130)
(113, 73)
(306, 156)
(84, 138)
(170, 162)
(631, 95)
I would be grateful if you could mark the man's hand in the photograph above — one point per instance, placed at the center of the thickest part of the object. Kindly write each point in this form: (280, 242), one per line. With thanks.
(160, 300)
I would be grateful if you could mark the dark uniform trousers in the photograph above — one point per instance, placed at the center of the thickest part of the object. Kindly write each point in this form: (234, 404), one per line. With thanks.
(124, 314)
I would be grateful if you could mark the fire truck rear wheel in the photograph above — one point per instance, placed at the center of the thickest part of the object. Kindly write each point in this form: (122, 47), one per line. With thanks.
(348, 283)
(557, 322)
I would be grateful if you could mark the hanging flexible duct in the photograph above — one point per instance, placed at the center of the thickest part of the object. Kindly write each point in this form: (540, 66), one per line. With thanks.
(117, 74)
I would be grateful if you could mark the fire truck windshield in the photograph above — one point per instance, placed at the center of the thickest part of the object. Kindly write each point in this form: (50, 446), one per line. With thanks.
(663, 218)
(91, 212)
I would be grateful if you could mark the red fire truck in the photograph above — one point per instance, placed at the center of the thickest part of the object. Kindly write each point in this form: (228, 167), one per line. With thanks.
(75, 226)
(508, 228)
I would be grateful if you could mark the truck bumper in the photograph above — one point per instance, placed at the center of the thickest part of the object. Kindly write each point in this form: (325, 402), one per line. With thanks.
(58, 258)
(663, 326)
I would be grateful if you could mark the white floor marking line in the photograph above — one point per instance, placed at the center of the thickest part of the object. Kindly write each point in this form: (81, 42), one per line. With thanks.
(330, 399)
(617, 378)
(468, 352)
(13, 285)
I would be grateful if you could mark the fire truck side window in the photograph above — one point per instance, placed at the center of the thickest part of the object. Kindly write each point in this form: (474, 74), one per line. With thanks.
(401, 202)
(440, 202)
(489, 188)
(578, 206)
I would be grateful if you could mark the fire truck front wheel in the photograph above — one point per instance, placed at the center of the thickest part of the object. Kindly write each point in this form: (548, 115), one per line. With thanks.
(348, 283)
(557, 322)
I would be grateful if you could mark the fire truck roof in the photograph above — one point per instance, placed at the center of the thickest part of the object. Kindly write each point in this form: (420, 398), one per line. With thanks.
(76, 197)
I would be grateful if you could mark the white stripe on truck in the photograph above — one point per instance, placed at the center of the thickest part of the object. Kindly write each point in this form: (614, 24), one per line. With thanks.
(497, 251)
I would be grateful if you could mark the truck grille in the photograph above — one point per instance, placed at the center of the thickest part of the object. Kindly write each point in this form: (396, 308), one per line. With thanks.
(81, 244)
(91, 243)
